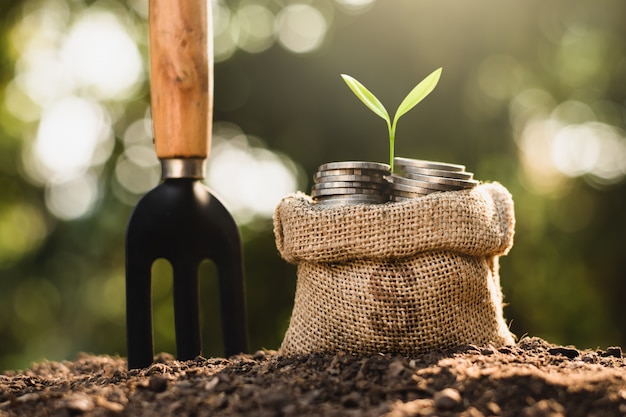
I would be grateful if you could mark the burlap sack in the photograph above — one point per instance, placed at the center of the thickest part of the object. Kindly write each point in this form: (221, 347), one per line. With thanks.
(398, 277)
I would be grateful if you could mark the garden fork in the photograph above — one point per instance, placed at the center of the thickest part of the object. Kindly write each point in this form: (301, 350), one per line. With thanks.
(180, 220)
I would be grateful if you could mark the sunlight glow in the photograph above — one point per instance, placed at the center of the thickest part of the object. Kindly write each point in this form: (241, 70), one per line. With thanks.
(97, 54)
(140, 6)
(64, 69)
(20, 104)
(138, 170)
(566, 143)
(69, 133)
(536, 155)
(355, 6)
(42, 76)
(100, 54)
(575, 150)
(249, 179)
(256, 28)
(73, 198)
(225, 32)
(591, 148)
(301, 28)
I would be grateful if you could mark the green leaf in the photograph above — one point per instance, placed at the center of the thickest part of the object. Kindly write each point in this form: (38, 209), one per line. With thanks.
(366, 97)
(418, 93)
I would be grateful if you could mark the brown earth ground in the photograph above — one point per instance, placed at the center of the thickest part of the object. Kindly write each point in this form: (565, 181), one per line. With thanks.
(532, 379)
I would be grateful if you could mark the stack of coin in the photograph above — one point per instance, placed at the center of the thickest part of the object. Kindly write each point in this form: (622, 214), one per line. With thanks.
(417, 178)
(351, 182)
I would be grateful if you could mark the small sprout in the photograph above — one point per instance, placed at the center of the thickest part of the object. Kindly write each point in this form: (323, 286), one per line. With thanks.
(416, 95)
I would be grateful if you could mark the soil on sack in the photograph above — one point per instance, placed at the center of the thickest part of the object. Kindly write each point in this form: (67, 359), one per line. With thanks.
(532, 379)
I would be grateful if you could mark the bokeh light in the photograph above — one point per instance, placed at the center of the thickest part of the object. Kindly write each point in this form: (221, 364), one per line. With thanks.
(69, 133)
(225, 32)
(532, 96)
(74, 135)
(99, 53)
(590, 148)
(256, 25)
(568, 142)
(355, 6)
(137, 169)
(301, 28)
(72, 198)
(65, 69)
(249, 179)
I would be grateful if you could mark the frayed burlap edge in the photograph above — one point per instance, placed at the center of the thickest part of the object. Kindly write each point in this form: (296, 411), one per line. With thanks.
(479, 222)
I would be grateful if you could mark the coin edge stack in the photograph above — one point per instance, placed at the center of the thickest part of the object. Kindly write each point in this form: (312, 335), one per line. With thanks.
(351, 182)
(421, 178)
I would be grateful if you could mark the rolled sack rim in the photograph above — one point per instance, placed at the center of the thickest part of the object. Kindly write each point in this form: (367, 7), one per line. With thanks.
(476, 222)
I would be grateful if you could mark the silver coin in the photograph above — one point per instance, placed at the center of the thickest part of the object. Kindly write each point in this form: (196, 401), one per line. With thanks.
(404, 162)
(461, 175)
(405, 184)
(414, 193)
(344, 191)
(351, 199)
(349, 184)
(445, 181)
(354, 171)
(354, 165)
(398, 198)
(376, 179)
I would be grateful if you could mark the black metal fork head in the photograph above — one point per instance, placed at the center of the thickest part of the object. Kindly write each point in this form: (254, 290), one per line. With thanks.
(182, 222)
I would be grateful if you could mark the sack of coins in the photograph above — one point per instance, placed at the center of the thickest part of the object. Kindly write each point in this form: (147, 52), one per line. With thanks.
(394, 276)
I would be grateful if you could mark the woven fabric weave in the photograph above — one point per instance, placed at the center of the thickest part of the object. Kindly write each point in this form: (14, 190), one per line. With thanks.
(398, 277)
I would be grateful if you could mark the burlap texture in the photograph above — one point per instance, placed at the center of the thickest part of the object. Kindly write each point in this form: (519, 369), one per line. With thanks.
(398, 277)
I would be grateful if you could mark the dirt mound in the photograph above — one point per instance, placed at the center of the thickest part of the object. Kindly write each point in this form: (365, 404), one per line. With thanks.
(532, 378)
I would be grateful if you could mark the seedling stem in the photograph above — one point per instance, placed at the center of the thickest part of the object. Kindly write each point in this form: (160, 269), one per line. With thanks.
(419, 92)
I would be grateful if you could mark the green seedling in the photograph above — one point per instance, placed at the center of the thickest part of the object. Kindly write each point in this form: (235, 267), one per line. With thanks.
(416, 95)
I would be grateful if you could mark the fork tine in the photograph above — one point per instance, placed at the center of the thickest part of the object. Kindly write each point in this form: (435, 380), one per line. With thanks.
(186, 309)
(232, 304)
(138, 311)
(183, 223)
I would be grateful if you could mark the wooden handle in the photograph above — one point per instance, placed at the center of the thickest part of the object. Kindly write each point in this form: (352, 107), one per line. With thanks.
(181, 77)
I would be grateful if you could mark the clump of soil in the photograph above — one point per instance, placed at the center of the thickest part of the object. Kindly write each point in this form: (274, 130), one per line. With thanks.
(531, 379)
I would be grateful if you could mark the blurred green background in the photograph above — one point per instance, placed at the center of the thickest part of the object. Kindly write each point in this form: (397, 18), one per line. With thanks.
(533, 95)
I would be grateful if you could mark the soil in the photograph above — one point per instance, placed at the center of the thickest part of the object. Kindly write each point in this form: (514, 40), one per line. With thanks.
(530, 379)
